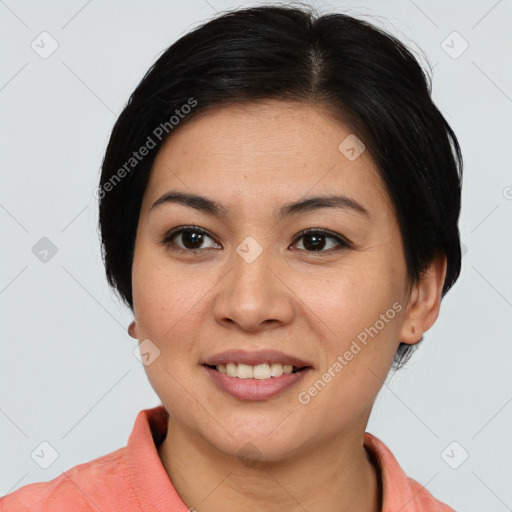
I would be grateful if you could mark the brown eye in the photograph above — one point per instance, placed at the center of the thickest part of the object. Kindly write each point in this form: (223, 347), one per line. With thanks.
(188, 239)
(192, 239)
(315, 240)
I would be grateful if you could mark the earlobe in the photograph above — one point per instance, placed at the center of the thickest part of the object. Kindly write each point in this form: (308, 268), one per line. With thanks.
(424, 302)
(132, 329)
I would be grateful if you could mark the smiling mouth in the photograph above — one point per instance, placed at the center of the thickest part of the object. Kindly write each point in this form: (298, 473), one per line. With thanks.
(259, 372)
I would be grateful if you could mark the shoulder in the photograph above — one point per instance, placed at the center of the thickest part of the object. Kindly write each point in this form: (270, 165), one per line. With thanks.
(425, 502)
(130, 478)
(87, 487)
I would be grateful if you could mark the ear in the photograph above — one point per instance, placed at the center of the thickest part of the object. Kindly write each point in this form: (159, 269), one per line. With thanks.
(424, 302)
(132, 330)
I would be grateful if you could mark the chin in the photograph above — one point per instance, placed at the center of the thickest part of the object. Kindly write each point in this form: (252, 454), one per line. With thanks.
(267, 441)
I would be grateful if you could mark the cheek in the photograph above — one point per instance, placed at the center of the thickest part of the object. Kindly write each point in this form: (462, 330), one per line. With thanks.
(349, 300)
(357, 317)
(358, 326)
(164, 298)
(167, 304)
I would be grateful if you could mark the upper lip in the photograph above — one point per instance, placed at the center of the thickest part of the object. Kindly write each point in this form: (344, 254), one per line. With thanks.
(255, 358)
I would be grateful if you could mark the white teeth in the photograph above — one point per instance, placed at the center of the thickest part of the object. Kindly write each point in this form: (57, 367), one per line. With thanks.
(231, 369)
(259, 371)
(262, 371)
(244, 371)
(276, 369)
(287, 368)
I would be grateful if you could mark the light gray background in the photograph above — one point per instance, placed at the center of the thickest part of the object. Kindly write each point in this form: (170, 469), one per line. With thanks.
(68, 373)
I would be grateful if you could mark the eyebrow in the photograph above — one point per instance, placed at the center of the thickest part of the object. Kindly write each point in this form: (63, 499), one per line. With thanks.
(211, 207)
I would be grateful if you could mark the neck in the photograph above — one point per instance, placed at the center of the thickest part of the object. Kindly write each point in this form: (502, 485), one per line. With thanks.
(338, 475)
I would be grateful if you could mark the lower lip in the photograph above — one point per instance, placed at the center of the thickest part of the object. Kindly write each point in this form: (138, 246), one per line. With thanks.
(254, 389)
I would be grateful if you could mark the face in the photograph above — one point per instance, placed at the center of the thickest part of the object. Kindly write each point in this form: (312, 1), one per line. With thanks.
(238, 272)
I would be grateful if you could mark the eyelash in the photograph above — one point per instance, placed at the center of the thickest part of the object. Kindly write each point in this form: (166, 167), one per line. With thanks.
(343, 242)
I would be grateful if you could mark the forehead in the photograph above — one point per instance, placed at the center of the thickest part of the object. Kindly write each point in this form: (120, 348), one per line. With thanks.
(271, 151)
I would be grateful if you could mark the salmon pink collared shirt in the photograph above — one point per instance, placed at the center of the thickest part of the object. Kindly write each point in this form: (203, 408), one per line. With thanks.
(133, 479)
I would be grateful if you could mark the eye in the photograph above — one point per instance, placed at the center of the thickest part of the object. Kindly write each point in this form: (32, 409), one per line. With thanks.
(316, 240)
(192, 239)
(189, 239)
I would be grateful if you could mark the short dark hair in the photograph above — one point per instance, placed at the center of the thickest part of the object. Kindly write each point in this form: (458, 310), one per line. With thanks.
(363, 76)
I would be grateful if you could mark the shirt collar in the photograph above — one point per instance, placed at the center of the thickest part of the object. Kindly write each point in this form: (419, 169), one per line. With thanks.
(150, 481)
(397, 494)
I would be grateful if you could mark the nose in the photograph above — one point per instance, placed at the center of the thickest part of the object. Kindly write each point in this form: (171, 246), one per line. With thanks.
(253, 296)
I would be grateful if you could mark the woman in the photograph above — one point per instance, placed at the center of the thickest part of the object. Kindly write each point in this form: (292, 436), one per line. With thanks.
(278, 207)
